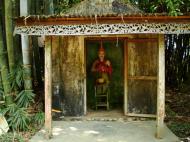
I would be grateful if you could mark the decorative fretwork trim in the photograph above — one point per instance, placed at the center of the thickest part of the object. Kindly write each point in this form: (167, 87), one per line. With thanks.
(102, 29)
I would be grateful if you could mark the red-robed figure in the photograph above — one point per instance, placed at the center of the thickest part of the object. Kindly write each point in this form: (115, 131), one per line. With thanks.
(102, 67)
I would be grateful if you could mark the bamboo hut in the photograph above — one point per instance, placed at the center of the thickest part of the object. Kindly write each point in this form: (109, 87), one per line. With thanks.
(69, 44)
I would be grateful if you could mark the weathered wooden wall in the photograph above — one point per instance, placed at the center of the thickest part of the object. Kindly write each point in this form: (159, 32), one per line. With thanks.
(142, 75)
(68, 73)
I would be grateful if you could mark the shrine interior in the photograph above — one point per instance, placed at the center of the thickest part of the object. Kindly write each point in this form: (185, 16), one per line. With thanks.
(114, 52)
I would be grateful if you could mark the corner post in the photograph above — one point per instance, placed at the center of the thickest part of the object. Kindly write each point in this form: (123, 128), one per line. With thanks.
(160, 88)
(48, 87)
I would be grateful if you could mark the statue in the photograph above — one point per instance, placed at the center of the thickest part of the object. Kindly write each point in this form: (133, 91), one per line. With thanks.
(102, 68)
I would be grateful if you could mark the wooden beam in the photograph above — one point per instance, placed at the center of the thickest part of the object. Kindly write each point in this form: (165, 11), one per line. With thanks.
(113, 19)
(48, 87)
(142, 40)
(142, 77)
(161, 88)
(142, 115)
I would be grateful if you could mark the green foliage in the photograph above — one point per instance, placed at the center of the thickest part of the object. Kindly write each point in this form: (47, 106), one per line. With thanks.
(172, 7)
(17, 118)
(39, 118)
(170, 112)
(16, 113)
(16, 77)
(11, 137)
(181, 129)
(25, 98)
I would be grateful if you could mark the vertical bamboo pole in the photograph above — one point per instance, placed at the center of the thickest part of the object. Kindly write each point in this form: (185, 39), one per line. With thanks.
(9, 33)
(161, 88)
(48, 87)
(5, 70)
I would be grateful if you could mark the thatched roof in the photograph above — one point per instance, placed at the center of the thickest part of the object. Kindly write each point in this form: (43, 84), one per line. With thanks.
(102, 7)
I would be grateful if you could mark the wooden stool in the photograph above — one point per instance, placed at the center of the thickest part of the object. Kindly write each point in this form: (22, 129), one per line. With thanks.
(102, 95)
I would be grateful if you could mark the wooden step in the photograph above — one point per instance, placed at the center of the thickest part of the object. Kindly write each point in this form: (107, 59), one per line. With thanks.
(101, 104)
(101, 95)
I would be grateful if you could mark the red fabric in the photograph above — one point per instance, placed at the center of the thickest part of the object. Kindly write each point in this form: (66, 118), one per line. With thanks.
(103, 68)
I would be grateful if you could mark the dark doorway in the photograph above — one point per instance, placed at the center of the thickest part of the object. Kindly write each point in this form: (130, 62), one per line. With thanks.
(114, 50)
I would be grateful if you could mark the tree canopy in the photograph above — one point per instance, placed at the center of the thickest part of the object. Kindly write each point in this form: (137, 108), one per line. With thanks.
(172, 7)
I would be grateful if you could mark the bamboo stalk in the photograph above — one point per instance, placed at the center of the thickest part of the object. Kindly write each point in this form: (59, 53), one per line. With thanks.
(4, 71)
(1, 87)
(9, 34)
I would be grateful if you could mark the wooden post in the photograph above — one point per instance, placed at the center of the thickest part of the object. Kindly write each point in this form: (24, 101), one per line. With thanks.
(161, 88)
(125, 77)
(48, 87)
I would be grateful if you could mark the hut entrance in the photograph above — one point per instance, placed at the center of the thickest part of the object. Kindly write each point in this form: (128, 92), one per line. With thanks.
(113, 75)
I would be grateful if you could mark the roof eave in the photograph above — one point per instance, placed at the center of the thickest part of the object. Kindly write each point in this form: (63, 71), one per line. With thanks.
(108, 19)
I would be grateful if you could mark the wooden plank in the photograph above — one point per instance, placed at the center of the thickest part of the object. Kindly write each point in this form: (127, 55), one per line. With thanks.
(142, 115)
(48, 87)
(85, 79)
(142, 77)
(93, 38)
(161, 88)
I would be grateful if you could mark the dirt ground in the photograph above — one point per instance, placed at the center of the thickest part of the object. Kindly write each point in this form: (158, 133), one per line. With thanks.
(178, 113)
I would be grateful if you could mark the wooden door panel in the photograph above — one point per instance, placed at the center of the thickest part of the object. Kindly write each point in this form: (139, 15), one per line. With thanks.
(142, 76)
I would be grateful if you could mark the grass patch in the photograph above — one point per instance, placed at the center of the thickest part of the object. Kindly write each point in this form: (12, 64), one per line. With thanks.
(180, 129)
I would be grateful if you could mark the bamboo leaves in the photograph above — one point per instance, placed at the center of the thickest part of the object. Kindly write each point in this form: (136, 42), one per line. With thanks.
(25, 98)
(16, 77)
(18, 118)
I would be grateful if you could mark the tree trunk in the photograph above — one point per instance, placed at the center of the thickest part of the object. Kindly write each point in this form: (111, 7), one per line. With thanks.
(9, 34)
(4, 71)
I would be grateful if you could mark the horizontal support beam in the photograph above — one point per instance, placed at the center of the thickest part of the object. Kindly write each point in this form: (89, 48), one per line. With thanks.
(139, 40)
(141, 115)
(142, 77)
(116, 19)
